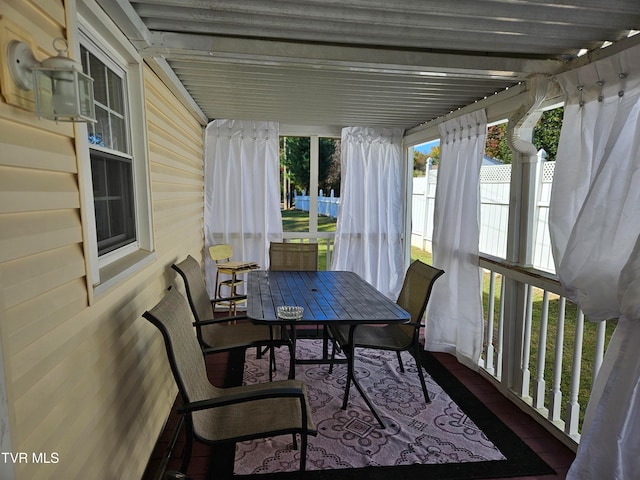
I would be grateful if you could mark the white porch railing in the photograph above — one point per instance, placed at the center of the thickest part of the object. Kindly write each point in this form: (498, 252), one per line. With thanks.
(555, 384)
(325, 242)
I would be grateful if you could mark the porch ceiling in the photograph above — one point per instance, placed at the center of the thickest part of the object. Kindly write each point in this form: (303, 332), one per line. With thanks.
(361, 62)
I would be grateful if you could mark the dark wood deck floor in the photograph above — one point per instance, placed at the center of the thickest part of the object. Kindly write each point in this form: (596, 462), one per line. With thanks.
(554, 452)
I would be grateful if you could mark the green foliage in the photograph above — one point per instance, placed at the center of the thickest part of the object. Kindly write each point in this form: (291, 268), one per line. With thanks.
(546, 133)
(420, 160)
(419, 163)
(496, 145)
(434, 153)
(295, 156)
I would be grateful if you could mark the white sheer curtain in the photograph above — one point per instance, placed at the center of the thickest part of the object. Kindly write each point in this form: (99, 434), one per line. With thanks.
(371, 215)
(595, 225)
(242, 190)
(454, 313)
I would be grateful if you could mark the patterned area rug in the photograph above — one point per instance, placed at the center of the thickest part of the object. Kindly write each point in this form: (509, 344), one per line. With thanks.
(415, 433)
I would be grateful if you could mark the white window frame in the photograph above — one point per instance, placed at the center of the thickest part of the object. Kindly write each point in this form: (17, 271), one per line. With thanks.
(100, 35)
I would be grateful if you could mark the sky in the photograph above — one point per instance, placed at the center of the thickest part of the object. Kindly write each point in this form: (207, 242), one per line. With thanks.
(426, 147)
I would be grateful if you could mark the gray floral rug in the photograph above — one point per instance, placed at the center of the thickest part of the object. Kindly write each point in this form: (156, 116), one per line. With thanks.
(415, 433)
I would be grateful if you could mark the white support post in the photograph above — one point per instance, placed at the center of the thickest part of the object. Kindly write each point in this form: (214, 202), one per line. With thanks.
(520, 231)
(314, 142)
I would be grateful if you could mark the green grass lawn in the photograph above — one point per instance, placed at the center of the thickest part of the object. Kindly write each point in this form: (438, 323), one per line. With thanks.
(298, 221)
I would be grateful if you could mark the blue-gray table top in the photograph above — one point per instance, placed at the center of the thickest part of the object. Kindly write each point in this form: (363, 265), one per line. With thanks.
(326, 296)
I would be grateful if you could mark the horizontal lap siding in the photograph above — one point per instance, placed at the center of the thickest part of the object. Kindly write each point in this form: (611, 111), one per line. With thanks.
(89, 382)
(176, 150)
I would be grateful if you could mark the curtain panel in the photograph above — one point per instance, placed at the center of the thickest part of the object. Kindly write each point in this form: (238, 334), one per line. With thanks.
(242, 190)
(371, 217)
(454, 313)
(594, 224)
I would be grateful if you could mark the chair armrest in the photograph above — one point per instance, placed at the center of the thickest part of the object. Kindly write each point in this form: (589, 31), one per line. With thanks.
(213, 321)
(249, 396)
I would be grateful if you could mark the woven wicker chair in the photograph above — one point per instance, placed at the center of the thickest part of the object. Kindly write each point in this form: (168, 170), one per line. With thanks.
(214, 415)
(223, 333)
(293, 256)
(414, 295)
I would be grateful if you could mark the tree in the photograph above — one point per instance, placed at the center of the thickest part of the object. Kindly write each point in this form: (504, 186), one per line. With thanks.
(420, 160)
(434, 153)
(546, 133)
(419, 163)
(295, 156)
(496, 144)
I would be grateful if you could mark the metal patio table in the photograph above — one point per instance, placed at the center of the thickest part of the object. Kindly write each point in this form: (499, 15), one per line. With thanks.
(327, 297)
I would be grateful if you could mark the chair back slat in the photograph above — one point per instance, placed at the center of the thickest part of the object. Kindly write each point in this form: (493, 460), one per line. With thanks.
(190, 271)
(172, 317)
(293, 256)
(416, 289)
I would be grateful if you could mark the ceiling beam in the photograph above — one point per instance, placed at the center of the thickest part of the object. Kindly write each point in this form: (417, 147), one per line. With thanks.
(185, 46)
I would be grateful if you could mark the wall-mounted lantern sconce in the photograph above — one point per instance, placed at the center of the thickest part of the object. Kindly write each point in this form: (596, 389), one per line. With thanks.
(62, 92)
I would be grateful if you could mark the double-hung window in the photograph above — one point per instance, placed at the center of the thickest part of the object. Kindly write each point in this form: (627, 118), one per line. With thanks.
(111, 159)
(113, 155)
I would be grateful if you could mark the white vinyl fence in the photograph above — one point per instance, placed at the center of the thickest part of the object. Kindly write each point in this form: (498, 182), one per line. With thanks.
(327, 206)
(494, 211)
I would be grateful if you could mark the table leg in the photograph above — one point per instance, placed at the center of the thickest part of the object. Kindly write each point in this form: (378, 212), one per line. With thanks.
(350, 353)
(292, 361)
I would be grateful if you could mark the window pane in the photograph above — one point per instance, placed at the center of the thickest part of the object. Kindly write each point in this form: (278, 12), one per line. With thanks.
(102, 131)
(118, 134)
(98, 71)
(113, 199)
(109, 96)
(116, 102)
(84, 59)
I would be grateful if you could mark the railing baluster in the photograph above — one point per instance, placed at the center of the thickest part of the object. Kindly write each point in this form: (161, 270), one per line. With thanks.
(573, 406)
(539, 391)
(526, 346)
(555, 402)
(488, 361)
(500, 330)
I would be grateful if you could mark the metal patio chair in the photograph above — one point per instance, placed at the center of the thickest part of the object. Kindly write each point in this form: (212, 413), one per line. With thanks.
(293, 256)
(215, 415)
(224, 334)
(414, 296)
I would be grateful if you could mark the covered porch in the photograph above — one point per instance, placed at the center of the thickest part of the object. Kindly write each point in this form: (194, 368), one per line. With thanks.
(82, 376)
